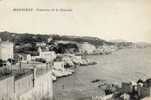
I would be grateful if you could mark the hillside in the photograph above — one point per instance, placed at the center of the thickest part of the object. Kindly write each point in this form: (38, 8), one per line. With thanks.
(31, 38)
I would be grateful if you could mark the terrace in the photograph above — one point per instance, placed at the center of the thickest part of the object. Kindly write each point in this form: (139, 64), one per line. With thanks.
(4, 73)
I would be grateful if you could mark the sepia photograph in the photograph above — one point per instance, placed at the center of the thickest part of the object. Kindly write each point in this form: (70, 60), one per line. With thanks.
(75, 49)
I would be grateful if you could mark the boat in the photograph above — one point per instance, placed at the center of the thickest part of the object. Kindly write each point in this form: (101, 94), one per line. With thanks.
(66, 72)
(61, 73)
(57, 73)
(70, 70)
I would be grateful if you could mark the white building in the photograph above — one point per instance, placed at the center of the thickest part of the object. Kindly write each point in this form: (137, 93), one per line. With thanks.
(47, 55)
(25, 57)
(59, 65)
(6, 50)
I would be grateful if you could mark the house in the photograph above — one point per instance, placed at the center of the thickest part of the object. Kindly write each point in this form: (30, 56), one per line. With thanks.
(24, 57)
(58, 65)
(68, 60)
(6, 50)
(47, 55)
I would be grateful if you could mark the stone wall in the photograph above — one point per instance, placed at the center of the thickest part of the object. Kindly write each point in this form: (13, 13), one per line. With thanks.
(43, 88)
(27, 87)
(7, 88)
(23, 84)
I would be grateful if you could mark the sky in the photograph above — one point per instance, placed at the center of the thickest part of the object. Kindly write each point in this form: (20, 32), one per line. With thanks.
(107, 19)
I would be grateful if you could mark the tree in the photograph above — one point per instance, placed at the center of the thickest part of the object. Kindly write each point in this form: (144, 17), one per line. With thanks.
(12, 61)
(1, 62)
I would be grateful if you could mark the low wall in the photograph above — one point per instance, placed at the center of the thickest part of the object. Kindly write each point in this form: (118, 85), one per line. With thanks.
(23, 84)
(43, 88)
(7, 88)
(27, 87)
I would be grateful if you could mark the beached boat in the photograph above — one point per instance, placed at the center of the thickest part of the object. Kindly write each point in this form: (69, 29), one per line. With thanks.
(57, 73)
(66, 72)
(70, 70)
(61, 73)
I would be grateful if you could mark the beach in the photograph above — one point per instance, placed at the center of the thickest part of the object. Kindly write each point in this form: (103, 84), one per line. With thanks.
(121, 66)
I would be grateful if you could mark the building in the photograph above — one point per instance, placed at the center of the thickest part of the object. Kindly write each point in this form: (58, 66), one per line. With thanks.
(47, 55)
(59, 65)
(6, 50)
(23, 57)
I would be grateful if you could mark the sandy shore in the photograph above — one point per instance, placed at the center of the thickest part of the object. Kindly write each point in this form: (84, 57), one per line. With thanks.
(123, 65)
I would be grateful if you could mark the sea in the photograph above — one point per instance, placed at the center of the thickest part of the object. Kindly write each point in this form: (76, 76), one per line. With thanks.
(124, 65)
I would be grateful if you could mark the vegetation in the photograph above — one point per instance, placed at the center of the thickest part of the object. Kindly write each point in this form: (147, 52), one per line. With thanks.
(32, 38)
(12, 61)
(2, 63)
